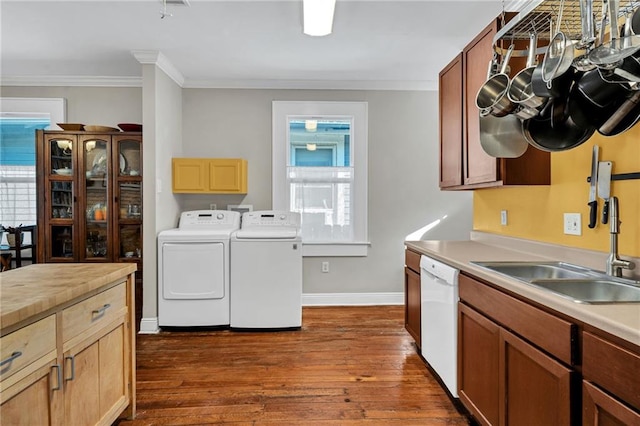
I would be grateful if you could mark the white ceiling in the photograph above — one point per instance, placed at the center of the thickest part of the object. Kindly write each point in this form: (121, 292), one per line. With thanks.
(254, 44)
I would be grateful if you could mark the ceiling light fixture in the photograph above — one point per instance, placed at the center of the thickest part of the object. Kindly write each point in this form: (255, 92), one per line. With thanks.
(318, 16)
(311, 147)
(311, 125)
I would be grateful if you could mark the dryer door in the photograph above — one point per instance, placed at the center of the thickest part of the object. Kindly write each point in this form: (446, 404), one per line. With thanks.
(193, 270)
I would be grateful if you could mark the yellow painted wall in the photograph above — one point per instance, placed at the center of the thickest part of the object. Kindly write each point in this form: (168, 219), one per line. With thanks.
(536, 213)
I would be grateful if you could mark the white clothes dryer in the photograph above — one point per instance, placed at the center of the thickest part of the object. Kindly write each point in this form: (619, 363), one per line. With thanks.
(266, 271)
(193, 269)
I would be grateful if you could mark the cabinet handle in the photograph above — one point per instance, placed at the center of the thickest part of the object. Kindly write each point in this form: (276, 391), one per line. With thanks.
(58, 376)
(13, 356)
(73, 368)
(100, 311)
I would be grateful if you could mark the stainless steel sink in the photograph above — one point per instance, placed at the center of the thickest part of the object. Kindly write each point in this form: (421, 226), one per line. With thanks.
(579, 284)
(592, 291)
(527, 271)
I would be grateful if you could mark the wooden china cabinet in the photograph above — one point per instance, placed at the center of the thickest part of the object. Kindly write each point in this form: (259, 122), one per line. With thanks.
(89, 189)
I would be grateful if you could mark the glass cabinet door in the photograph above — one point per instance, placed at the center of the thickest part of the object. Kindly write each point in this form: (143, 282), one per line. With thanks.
(60, 161)
(128, 244)
(96, 169)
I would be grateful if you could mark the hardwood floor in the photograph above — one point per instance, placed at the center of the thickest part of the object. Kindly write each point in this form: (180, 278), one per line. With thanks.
(347, 365)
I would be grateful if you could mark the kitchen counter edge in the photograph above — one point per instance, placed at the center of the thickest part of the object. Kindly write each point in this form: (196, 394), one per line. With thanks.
(33, 290)
(621, 320)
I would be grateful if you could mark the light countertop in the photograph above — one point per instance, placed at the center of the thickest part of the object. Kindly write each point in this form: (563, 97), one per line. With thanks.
(35, 289)
(622, 320)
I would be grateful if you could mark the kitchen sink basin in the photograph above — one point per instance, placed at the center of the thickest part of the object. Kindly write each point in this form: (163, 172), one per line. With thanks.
(579, 284)
(527, 271)
(592, 291)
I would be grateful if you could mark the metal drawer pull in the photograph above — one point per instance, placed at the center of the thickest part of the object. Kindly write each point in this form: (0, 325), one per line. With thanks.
(13, 356)
(73, 367)
(100, 312)
(58, 375)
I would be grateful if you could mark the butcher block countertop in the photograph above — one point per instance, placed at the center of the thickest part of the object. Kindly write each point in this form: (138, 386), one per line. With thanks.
(34, 290)
(621, 320)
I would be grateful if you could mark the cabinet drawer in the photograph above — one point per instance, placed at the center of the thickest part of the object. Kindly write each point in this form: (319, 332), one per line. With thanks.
(26, 345)
(550, 333)
(96, 310)
(612, 367)
(412, 260)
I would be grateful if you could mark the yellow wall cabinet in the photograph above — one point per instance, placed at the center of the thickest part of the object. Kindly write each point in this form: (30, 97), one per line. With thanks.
(209, 175)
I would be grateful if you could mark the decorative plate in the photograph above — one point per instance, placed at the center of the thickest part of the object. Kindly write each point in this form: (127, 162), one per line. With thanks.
(72, 127)
(130, 127)
(93, 128)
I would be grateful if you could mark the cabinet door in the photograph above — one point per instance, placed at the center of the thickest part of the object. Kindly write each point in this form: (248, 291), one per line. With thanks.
(95, 175)
(82, 386)
(601, 409)
(535, 389)
(412, 317)
(451, 106)
(32, 400)
(113, 385)
(478, 358)
(58, 198)
(95, 379)
(189, 175)
(479, 166)
(227, 175)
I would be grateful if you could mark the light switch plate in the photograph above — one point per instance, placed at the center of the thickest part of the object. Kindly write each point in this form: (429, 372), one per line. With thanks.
(572, 224)
(503, 217)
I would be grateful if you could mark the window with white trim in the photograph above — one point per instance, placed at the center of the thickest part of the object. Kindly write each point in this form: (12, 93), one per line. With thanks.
(320, 171)
(19, 119)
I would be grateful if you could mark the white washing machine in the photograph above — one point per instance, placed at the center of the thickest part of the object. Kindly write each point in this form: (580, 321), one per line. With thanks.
(193, 269)
(266, 271)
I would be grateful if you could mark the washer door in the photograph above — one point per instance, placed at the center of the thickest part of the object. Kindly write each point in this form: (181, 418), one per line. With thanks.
(193, 270)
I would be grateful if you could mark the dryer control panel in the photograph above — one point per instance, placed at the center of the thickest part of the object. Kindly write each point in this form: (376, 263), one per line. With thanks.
(209, 219)
(270, 219)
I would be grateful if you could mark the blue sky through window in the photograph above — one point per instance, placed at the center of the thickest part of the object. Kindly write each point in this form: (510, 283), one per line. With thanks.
(18, 140)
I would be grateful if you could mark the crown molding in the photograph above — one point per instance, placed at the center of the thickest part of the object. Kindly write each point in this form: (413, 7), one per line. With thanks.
(423, 85)
(87, 81)
(157, 58)
(71, 81)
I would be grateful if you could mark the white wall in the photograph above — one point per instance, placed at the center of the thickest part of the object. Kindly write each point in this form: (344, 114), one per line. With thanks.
(403, 165)
(403, 173)
(105, 106)
(162, 121)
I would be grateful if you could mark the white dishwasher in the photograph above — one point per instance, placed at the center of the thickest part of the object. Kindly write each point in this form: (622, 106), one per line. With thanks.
(439, 319)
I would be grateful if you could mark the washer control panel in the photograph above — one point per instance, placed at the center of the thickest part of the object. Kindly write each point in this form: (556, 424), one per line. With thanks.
(270, 219)
(209, 219)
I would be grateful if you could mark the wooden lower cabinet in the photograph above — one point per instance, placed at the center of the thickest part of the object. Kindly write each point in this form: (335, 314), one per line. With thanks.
(534, 388)
(95, 380)
(600, 408)
(504, 380)
(31, 401)
(412, 296)
(478, 359)
(75, 367)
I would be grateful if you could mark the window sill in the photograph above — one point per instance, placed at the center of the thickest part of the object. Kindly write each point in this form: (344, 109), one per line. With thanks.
(355, 249)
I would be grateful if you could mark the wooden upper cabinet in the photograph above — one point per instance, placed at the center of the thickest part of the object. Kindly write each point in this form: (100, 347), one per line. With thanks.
(463, 162)
(209, 175)
(450, 90)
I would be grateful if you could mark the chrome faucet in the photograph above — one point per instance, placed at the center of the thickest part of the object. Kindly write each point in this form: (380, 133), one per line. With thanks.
(614, 263)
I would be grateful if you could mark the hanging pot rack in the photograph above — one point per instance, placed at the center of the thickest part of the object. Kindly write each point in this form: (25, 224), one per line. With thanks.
(538, 15)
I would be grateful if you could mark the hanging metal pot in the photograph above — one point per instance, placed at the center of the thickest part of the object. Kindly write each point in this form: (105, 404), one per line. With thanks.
(520, 89)
(492, 96)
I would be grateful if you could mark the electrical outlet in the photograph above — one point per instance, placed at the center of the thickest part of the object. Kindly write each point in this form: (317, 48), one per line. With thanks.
(503, 217)
(213, 206)
(572, 224)
(325, 267)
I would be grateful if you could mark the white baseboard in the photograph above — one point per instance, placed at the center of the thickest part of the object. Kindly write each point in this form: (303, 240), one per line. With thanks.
(352, 299)
(149, 326)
